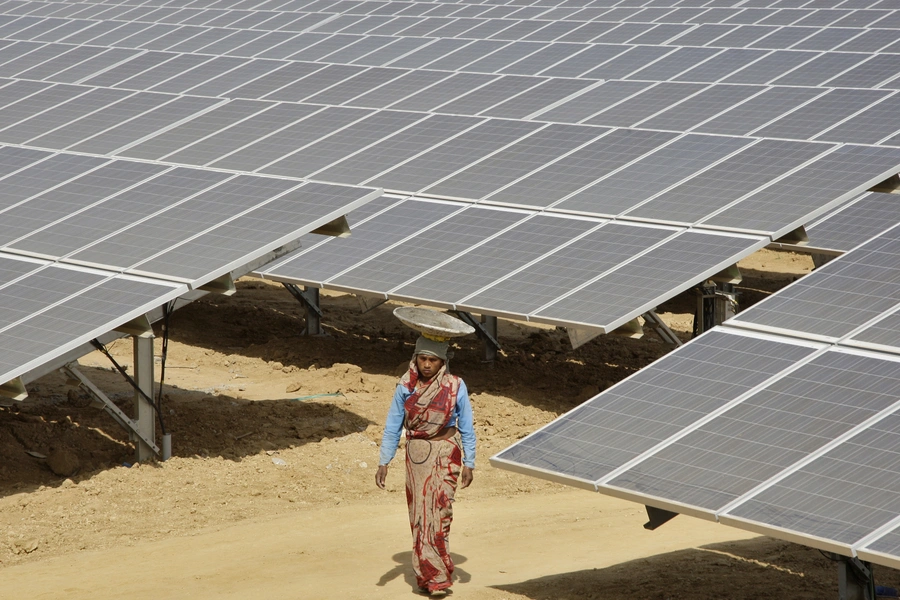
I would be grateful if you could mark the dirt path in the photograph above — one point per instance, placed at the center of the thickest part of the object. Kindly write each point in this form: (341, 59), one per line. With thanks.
(362, 552)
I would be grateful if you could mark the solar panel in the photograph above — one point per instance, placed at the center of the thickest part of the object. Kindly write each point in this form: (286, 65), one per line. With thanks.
(513, 162)
(842, 174)
(766, 433)
(525, 291)
(592, 441)
(853, 223)
(482, 265)
(315, 265)
(452, 155)
(828, 303)
(713, 189)
(648, 280)
(667, 165)
(391, 268)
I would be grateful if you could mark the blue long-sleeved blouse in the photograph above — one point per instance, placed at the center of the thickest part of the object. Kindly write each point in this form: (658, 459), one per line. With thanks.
(461, 418)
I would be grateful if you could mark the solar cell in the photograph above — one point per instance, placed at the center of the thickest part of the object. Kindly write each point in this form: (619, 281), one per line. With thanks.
(71, 196)
(700, 107)
(585, 60)
(770, 67)
(513, 162)
(430, 53)
(674, 64)
(129, 132)
(79, 319)
(826, 39)
(719, 66)
(61, 62)
(853, 223)
(281, 84)
(821, 69)
(261, 229)
(609, 93)
(144, 240)
(632, 60)
(759, 110)
(655, 403)
(409, 83)
(356, 85)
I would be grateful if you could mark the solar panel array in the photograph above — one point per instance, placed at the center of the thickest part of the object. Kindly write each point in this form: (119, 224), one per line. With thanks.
(89, 243)
(783, 421)
(573, 162)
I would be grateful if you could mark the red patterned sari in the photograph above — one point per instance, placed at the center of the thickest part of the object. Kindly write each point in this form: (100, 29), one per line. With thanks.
(432, 469)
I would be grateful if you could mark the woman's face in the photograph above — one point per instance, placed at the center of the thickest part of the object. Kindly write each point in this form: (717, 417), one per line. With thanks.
(428, 365)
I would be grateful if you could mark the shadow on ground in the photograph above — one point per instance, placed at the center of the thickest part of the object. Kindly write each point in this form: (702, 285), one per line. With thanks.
(767, 568)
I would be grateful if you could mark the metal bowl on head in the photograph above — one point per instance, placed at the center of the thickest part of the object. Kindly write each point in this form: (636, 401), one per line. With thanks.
(431, 323)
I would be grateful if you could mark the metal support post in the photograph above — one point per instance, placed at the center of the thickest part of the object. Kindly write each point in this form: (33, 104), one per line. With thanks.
(144, 416)
(490, 340)
(309, 298)
(486, 329)
(855, 580)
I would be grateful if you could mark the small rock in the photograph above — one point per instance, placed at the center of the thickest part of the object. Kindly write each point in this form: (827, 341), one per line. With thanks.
(278, 461)
(277, 366)
(293, 387)
(68, 483)
(26, 546)
(63, 462)
(363, 465)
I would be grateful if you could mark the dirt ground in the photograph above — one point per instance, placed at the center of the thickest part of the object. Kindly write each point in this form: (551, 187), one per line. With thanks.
(270, 492)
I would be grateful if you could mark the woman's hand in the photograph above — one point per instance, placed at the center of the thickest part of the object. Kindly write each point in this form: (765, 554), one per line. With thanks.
(466, 477)
(380, 476)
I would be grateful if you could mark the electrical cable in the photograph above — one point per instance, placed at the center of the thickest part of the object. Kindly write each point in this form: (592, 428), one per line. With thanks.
(96, 344)
(167, 310)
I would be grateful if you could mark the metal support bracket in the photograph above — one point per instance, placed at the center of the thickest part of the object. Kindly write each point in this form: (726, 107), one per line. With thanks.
(731, 276)
(309, 298)
(797, 237)
(891, 185)
(855, 579)
(138, 327)
(223, 285)
(74, 376)
(14, 389)
(652, 320)
(579, 336)
(486, 329)
(337, 228)
(658, 517)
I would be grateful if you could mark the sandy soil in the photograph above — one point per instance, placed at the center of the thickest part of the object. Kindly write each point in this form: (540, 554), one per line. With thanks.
(270, 491)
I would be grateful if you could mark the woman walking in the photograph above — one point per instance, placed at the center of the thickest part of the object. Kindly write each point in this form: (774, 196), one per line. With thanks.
(433, 407)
